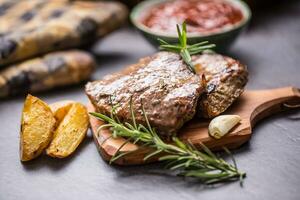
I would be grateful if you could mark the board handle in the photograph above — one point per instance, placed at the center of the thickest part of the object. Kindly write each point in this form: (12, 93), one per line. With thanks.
(272, 101)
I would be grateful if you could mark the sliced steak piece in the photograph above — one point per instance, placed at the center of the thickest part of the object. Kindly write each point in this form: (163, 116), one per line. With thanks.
(225, 82)
(165, 86)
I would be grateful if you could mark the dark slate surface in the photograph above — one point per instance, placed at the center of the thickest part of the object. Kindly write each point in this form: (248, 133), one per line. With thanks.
(271, 49)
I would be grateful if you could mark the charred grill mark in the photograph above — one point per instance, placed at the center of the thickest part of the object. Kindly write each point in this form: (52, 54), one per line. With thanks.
(87, 28)
(54, 63)
(5, 6)
(7, 47)
(19, 84)
(27, 16)
(56, 14)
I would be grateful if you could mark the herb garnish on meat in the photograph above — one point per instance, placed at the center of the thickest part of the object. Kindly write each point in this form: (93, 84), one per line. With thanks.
(185, 50)
(180, 156)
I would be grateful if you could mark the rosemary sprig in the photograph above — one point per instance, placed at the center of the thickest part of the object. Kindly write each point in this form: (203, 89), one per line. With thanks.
(181, 156)
(185, 50)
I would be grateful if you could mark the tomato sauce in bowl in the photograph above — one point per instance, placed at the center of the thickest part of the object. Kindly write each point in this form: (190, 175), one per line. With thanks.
(201, 16)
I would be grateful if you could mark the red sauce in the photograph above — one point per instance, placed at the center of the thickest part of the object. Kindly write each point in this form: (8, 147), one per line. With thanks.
(201, 16)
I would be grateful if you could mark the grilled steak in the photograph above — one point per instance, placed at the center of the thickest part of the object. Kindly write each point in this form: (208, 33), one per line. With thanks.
(31, 28)
(164, 85)
(169, 91)
(225, 82)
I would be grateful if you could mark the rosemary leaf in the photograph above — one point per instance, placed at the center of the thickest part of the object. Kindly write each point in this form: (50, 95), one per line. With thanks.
(185, 50)
(180, 156)
(153, 154)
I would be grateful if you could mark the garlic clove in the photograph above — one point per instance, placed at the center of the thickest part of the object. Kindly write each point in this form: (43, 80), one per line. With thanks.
(221, 125)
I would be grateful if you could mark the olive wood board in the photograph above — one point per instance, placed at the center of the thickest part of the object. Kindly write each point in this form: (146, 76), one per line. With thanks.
(252, 106)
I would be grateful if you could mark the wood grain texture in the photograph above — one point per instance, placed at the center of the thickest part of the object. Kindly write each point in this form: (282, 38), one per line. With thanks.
(252, 106)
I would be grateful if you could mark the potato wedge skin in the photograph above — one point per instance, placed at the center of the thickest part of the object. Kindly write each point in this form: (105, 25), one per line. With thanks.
(70, 132)
(37, 127)
(60, 109)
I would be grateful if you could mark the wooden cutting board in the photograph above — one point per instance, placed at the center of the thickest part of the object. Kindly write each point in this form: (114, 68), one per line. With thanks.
(252, 106)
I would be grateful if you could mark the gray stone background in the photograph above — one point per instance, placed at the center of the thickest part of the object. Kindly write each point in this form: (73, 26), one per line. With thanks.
(270, 48)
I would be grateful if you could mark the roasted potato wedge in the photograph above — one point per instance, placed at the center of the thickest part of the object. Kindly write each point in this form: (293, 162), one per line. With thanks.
(37, 126)
(70, 132)
(60, 110)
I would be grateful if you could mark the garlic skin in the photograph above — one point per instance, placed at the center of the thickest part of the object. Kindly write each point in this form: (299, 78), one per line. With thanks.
(221, 125)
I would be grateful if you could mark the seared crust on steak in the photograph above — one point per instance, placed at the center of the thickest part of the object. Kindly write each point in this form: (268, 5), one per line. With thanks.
(225, 82)
(165, 86)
